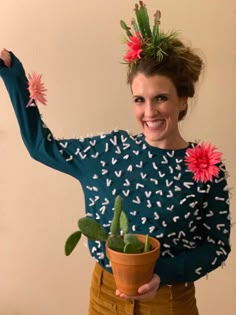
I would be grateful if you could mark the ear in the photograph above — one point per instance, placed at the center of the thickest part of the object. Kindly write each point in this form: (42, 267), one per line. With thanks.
(183, 103)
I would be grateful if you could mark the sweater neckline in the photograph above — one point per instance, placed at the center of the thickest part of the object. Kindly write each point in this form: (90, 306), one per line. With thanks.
(157, 150)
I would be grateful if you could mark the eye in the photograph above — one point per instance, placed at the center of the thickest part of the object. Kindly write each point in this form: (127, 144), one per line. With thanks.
(138, 99)
(161, 98)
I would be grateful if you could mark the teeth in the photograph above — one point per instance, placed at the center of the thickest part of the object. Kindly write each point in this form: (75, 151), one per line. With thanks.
(153, 124)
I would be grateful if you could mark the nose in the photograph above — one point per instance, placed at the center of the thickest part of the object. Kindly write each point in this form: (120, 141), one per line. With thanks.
(150, 109)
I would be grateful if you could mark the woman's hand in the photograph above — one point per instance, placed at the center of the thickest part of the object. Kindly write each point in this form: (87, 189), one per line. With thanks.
(6, 57)
(146, 291)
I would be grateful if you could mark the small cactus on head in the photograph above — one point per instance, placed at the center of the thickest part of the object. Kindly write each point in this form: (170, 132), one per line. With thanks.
(119, 238)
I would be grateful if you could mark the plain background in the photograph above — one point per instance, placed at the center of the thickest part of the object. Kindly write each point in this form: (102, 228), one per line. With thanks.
(77, 46)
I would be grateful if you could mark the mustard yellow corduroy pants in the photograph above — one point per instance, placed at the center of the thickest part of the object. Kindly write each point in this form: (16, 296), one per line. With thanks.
(177, 299)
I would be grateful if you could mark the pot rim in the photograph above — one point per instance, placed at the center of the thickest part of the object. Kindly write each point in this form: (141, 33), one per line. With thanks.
(156, 248)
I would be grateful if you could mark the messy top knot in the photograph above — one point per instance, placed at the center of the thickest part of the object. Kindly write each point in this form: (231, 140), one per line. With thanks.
(183, 68)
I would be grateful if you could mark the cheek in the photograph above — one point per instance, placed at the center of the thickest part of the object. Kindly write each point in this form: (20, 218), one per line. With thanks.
(169, 112)
(164, 111)
(137, 112)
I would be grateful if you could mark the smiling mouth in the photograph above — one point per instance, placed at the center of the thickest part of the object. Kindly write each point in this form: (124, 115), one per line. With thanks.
(154, 124)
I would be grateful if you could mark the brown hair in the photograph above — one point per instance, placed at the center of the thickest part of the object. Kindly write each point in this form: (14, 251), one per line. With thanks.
(180, 64)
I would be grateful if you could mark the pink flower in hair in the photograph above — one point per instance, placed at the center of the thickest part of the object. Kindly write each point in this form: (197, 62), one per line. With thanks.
(37, 90)
(202, 160)
(135, 44)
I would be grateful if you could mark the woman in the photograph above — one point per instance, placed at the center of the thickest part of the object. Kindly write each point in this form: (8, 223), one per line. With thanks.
(172, 189)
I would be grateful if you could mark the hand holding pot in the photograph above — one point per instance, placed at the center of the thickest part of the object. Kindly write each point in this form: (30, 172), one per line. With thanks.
(146, 291)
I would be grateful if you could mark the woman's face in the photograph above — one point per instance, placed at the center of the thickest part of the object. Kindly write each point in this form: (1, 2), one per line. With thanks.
(156, 108)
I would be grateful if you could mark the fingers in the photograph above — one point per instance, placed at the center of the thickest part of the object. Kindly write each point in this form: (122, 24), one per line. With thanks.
(146, 291)
(147, 296)
(6, 57)
(152, 285)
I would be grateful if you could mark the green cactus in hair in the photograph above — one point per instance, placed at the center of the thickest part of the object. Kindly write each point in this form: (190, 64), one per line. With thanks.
(143, 20)
(155, 32)
(154, 43)
(119, 238)
(126, 28)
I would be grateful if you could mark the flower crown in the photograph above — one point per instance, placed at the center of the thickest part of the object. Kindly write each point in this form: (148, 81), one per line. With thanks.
(144, 42)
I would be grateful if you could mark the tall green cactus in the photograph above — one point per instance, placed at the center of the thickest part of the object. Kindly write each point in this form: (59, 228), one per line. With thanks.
(119, 238)
(115, 224)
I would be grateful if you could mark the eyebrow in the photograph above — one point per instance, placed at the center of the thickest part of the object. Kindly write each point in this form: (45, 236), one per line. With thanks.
(159, 94)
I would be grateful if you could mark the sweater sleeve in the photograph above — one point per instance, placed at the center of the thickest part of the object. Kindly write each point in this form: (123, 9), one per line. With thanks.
(192, 264)
(67, 156)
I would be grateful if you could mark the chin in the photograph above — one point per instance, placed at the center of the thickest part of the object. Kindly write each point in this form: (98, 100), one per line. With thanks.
(154, 137)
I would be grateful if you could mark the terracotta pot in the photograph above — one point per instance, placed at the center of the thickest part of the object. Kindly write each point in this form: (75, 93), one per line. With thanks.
(133, 270)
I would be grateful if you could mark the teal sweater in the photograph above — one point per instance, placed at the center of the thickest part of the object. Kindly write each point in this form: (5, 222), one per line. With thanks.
(190, 219)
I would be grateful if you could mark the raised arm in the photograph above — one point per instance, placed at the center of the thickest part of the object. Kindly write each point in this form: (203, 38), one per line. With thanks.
(64, 155)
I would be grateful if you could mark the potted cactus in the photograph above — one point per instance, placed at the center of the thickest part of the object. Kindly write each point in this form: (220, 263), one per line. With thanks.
(132, 256)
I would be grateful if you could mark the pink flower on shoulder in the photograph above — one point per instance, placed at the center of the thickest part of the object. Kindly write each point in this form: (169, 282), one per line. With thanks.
(135, 44)
(202, 160)
(37, 90)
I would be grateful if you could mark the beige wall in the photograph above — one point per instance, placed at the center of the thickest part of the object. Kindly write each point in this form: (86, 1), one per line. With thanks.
(76, 45)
